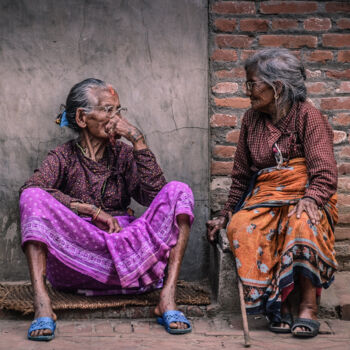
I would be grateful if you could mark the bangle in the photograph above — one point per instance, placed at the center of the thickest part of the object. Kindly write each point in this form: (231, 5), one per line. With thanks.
(96, 214)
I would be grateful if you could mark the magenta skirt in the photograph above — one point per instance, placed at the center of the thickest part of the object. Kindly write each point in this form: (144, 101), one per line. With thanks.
(86, 259)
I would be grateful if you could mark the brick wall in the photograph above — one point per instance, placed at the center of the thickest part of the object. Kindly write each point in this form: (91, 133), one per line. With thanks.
(319, 33)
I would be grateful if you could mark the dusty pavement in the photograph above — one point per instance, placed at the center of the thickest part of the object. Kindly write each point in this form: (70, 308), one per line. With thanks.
(220, 332)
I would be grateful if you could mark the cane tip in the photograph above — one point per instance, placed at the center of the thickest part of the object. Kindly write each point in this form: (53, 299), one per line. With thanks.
(247, 345)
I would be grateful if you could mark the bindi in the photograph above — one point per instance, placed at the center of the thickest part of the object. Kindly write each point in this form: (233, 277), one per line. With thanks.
(111, 90)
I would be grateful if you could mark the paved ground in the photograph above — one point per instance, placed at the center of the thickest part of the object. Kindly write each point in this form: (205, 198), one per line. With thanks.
(220, 332)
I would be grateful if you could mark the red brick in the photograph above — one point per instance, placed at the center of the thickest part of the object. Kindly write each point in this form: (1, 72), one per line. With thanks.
(336, 40)
(343, 182)
(237, 41)
(224, 55)
(277, 7)
(232, 102)
(225, 88)
(342, 119)
(224, 151)
(331, 103)
(316, 88)
(284, 24)
(319, 56)
(345, 152)
(344, 56)
(225, 25)
(234, 73)
(223, 120)
(221, 168)
(338, 74)
(344, 217)
(337, 6)
(254, 25)
(233, 136)
(234, 7)
(344, 87)
(317, 24)
(288, 41)
(246, 54)
(311, 74)
(339, 136)
(343, 23)
(343, 199)
(342, 233)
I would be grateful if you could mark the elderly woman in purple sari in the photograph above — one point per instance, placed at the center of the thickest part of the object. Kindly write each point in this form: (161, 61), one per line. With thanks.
(77, 229)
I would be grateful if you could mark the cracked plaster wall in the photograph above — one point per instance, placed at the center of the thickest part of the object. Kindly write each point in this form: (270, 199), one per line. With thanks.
(154, 52)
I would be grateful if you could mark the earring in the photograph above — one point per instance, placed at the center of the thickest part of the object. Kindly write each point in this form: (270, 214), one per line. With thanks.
(276, 96)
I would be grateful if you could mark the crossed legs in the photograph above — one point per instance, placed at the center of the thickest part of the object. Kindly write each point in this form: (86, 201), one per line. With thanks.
(36, 256)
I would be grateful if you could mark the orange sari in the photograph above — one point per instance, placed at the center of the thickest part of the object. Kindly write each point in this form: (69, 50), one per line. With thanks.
(272, 249)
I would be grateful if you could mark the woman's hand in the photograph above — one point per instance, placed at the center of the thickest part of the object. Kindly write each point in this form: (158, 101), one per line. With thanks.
(106, 222)
(310, 207)
(213, 226)
(119, 126)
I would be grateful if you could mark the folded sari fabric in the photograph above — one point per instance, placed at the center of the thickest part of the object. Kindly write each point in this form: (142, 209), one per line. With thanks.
(82, 257)
(272, 249)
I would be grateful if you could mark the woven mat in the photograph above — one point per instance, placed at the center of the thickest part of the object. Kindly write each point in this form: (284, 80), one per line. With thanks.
(20, 298)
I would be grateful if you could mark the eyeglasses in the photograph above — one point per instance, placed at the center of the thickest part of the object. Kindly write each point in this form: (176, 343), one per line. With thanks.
(249, 84)
(109, 110)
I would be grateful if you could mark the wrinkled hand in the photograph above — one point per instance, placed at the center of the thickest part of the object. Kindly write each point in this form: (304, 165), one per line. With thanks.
(310, 207)
(118, 126)
(107, 222)
(213, 226)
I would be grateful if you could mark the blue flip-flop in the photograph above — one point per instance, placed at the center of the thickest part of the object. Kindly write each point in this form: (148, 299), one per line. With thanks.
(174, 316)
(42, 323)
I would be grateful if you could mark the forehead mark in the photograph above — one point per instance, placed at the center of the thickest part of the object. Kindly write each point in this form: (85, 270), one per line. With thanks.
(111, 90)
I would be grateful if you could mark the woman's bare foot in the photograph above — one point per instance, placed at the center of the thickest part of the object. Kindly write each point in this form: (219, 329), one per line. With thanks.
(308, 304)
(308, 311)
(42, 307)
(285, 310)
(167, 303)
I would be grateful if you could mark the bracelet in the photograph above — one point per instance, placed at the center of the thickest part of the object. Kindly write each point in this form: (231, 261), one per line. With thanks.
(96, 215)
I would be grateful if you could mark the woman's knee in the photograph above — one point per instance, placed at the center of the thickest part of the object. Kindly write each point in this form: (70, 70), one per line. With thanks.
(178, 186)
(33, 194)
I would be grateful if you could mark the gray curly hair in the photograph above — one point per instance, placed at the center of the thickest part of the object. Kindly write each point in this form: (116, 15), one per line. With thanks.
(281, 65)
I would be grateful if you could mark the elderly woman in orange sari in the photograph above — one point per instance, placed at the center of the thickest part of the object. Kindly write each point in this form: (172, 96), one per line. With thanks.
(282, 196)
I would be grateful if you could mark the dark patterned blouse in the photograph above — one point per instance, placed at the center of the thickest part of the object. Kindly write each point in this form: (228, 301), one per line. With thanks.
(304, 132)
(110, 183)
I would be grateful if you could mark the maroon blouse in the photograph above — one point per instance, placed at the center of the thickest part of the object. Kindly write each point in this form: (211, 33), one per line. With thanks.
(313, 139)
(110, 183)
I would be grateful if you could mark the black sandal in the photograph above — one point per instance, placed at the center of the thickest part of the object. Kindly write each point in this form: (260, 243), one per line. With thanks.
(312, 325)
(287, 319)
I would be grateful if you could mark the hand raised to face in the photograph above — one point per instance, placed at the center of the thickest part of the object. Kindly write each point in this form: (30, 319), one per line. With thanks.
(118, 126)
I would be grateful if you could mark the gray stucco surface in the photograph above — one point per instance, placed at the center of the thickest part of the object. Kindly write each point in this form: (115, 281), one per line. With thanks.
(154, 52)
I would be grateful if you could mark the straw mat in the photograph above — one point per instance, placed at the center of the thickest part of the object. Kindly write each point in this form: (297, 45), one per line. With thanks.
(20, 298)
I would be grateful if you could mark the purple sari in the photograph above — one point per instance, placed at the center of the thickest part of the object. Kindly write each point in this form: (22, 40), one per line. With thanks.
(81, 257)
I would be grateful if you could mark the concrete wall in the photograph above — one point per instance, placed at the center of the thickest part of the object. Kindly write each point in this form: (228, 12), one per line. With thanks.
(154, 52)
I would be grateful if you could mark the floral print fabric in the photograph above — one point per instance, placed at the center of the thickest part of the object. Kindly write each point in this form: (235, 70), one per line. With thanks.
(271, 249)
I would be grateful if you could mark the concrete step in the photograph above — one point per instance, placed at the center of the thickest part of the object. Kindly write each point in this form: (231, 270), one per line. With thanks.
(342, 249)
(335, 301)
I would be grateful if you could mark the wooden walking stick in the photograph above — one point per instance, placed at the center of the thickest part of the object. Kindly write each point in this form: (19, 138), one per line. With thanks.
(242, 304)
